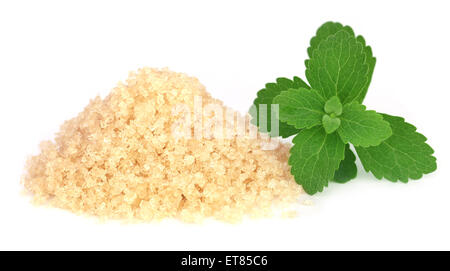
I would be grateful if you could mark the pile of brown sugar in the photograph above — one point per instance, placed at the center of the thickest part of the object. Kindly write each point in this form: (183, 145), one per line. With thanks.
(118, 159)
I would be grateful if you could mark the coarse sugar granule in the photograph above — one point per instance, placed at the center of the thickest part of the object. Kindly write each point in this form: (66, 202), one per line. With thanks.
(119, 159)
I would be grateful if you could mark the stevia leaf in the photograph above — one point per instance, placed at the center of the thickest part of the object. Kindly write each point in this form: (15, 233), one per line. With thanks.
(331, 28)
(266, 95)
(338, 68)
(330, 124)
(315, 157)
(403, 156)
(347, 169)
(324, 31)
(362, 127)
(301, 108)
(333, 106)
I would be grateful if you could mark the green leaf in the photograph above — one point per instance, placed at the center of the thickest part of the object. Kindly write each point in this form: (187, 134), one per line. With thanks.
(338, 68)
(333, 106)
(363, 127)
(330, 124)
(265, 96)
(403, 156)
(315, 157)
(324, 31)
(347, 169)
(331, 28)
(301, 108)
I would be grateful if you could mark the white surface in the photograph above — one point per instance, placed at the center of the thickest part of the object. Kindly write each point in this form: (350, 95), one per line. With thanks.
(55, 56)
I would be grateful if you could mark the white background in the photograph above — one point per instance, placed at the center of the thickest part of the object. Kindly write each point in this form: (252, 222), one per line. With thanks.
(56, 55)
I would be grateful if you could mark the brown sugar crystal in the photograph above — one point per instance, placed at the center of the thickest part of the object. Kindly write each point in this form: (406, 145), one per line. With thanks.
(119, 159)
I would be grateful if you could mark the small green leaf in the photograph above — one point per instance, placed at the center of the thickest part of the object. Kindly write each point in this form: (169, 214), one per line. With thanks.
(403, 156)
(330, 124)
(301, 108)
(315, 157)
(265, 96)
(333, 106)
(363, 127)
(347, 169)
